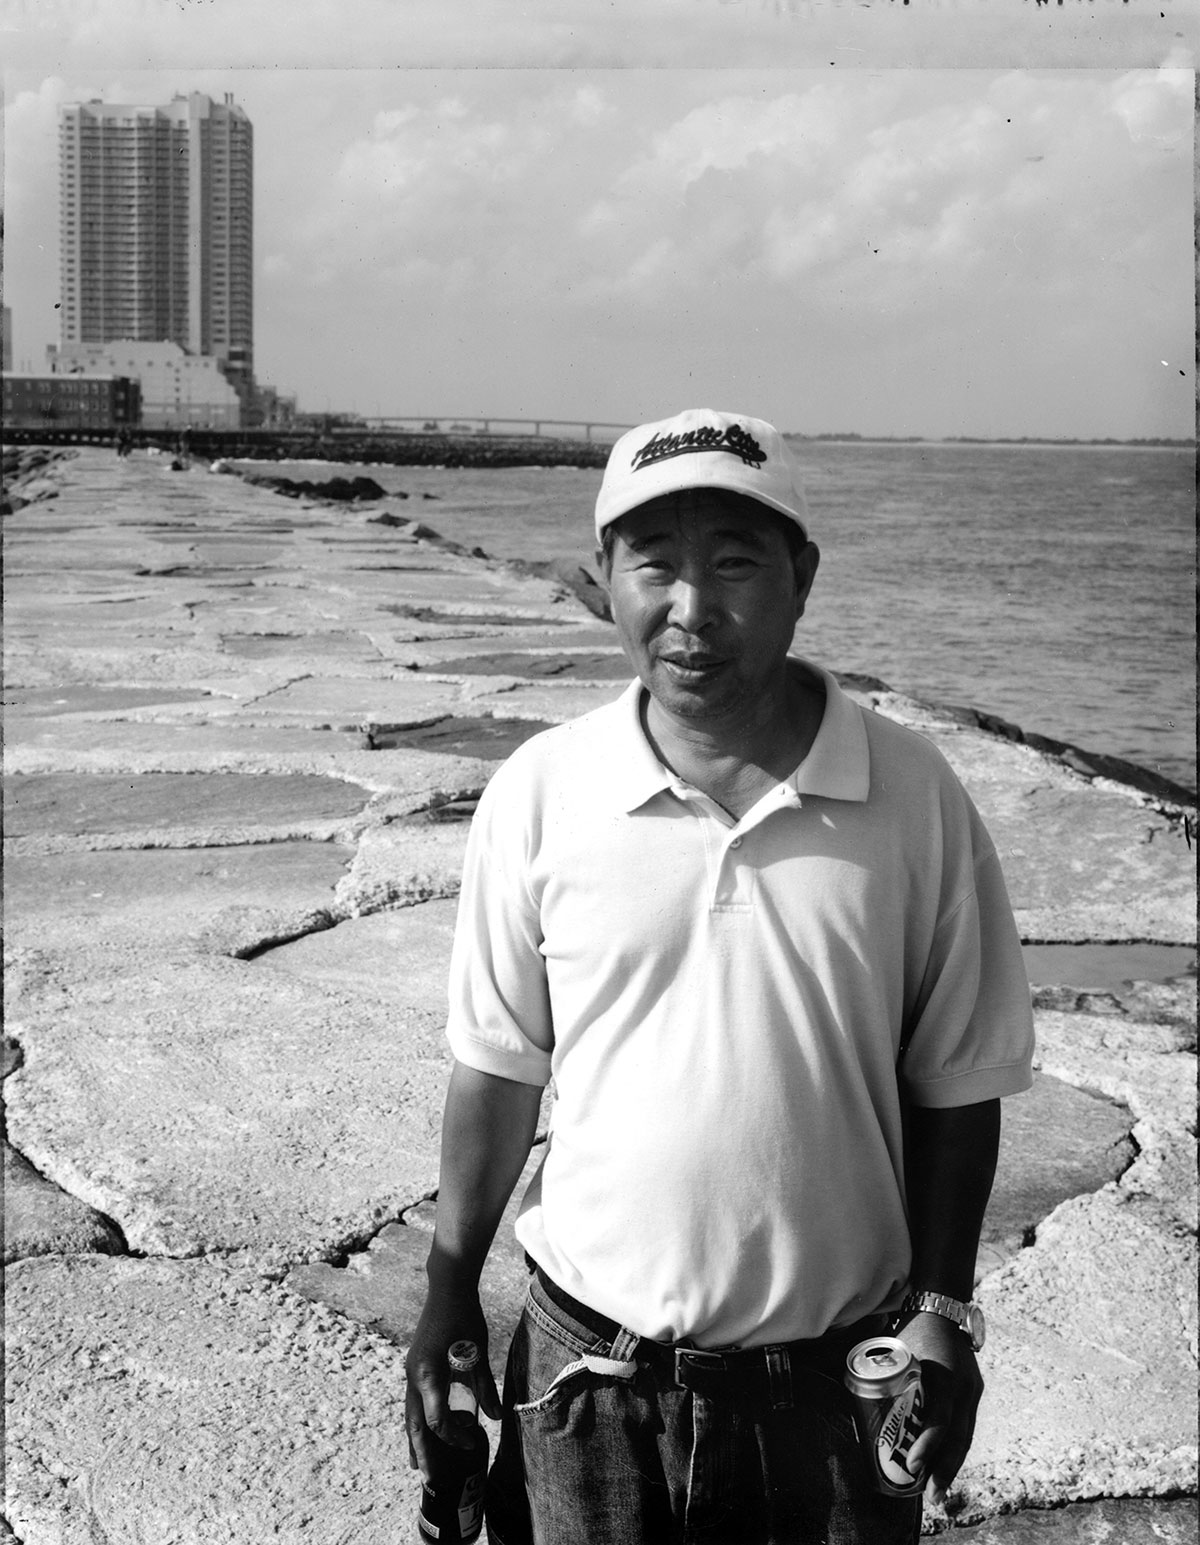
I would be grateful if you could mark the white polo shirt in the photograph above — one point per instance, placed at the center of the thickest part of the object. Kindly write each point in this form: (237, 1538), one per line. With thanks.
(722, 1007)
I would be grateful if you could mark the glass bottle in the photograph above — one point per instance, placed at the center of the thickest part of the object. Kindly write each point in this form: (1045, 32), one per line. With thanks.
(452, 1497)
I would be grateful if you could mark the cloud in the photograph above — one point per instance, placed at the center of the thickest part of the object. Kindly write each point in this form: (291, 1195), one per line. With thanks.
(1155, 106)
(31, 137)
(886, 194)
(468, 181)
(897, 202)
(589, 106)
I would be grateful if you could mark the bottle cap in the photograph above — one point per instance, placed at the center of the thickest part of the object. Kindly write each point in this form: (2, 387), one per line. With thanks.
(463, 1356)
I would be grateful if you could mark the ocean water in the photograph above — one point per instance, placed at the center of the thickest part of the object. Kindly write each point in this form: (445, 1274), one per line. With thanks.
(1054, 586)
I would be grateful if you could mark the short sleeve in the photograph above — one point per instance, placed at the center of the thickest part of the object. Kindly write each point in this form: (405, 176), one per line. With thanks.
(499, 1018)
(971, 1036)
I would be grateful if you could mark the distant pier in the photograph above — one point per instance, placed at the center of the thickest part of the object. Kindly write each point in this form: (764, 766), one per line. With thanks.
(459, 442)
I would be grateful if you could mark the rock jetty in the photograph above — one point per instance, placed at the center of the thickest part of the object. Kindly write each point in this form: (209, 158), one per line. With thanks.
(244, 734)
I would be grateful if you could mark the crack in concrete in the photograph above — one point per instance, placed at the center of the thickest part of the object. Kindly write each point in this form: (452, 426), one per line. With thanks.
(359, 1244)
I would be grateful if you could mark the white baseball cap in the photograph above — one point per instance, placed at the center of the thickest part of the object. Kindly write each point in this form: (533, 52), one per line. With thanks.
(701, 448)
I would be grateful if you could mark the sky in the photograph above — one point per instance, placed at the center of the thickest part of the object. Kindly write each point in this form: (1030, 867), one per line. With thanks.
(932, 219)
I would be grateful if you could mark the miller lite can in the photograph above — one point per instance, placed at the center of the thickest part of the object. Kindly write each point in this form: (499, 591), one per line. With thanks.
(884, 1379)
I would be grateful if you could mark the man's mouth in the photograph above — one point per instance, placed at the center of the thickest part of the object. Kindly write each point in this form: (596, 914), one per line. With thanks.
(691, 667)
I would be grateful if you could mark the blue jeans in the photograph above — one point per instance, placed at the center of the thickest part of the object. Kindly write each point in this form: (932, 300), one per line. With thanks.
(600, 1446)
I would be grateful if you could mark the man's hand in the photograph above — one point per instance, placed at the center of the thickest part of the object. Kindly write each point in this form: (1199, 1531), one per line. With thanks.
(487, 1132)
(950, 1160)
(952, 1387)
(444, 1320)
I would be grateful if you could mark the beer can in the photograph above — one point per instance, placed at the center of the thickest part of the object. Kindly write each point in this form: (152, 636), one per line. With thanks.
(884, 1379)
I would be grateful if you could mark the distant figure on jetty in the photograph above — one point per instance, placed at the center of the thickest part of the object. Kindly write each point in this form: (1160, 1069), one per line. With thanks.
(759, 938)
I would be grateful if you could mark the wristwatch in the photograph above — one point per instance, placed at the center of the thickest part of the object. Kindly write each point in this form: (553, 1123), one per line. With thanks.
(968, 1317)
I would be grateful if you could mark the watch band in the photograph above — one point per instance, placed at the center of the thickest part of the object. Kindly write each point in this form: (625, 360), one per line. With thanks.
(968, 1317)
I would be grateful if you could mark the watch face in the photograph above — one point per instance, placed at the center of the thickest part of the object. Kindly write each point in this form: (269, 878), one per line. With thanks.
(977, 1326)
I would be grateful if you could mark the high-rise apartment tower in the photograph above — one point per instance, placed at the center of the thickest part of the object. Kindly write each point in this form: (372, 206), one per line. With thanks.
(157, 227)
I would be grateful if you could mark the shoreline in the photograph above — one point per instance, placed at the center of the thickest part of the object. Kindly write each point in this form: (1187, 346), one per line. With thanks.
(1091, 764)
(1177, 799)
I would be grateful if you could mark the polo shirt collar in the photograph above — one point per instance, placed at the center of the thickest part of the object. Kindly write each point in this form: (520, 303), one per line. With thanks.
(636, 774)
(838, 765)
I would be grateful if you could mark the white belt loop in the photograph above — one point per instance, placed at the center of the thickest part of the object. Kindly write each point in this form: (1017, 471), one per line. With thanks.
(612, 1367)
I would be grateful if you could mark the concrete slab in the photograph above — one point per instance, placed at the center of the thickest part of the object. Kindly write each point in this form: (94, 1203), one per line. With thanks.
(417, 583)
(197, 1401)
(41, 1219)
(575, 665)
(432, 648)
(75, 804)
(1124, 872)
(1139, 1063)
(389, 954)
(28, 704)
(346, 702)
(1120, 869)
(553, 703)
(91, 745)
(1056, 1142)
(294, 646)
(68, 900)
(1170, 1002)
(159, 660)
(463, 735)
(230, 551)
(448, 623)
(400, 864)
(248, 605)
(204, 1104)
(1091, 1363)
(1143, 1066)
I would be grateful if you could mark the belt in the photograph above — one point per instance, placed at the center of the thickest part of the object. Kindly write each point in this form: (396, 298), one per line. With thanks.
(744, 1373)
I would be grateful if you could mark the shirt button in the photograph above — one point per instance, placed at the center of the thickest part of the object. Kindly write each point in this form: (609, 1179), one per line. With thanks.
(736, 843)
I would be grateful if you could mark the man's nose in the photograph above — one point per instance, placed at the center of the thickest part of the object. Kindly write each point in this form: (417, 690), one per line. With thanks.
(694, 602)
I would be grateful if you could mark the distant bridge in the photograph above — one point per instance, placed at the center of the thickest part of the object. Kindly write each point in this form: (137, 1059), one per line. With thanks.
(493, 425)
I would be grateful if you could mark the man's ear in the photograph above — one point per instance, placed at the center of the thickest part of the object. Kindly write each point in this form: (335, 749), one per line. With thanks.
(805, 566)
(604, 564)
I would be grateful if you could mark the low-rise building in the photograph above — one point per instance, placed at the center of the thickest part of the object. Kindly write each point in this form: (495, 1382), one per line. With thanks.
(84, 400)
(272, 410)
(179, 390)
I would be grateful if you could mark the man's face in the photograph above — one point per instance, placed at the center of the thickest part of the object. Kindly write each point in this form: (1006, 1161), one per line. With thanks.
(706, 595)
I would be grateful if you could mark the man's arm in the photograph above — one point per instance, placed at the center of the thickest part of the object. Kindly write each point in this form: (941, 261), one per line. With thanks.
(487, 1132)
(949, 1167)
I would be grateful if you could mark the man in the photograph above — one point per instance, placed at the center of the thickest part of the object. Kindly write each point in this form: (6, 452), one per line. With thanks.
(759, 939)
